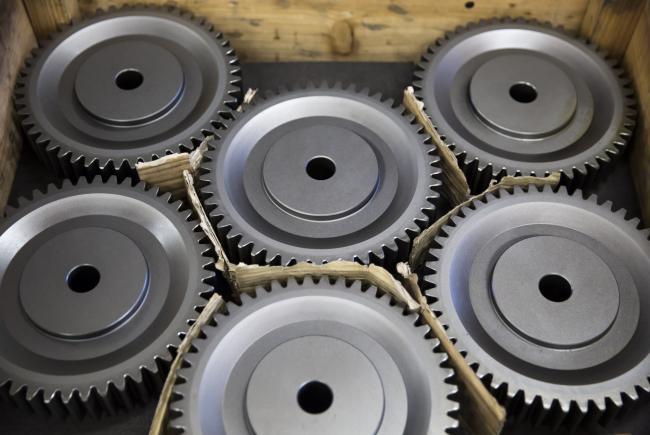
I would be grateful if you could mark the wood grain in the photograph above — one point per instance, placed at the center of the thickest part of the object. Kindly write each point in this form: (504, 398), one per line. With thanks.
(480, 413)
(16, 39)
(423, 242)
(159, 423)
(454, 182)
(637, 62)
(47, 15)
(380, 30)
(610, 23)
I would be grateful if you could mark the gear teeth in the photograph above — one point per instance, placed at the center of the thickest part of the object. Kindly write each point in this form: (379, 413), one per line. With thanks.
(240, 249)
(593, 171)
(62, 161)
(178, 416)
(552, 413)
(135, 387)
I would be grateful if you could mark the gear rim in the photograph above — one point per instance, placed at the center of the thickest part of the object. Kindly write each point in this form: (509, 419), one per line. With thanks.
(74, 157)
(251, 244)
(545, 404)
(120, 383)
(280, 294)
(478, 165)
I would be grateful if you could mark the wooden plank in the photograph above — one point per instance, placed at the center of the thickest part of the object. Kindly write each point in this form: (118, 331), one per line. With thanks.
(16, 39)
(637, 62)
(353, 30)
(610, 23)
(47, 15)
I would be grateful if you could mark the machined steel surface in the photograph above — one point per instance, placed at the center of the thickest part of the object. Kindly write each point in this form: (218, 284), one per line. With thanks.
(124, 85)
(549, 295)
(315, 358)
(521, 97)
(97, 281)
(319, 174)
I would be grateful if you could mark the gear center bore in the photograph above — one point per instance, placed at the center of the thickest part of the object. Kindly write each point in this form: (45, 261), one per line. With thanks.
(523, 96)
(314, 385)
(315, 397)
(129, 83)
(83, 278)
(75, 286)
(321, 168)
(320, 172)
(129, 79)
(555, 288)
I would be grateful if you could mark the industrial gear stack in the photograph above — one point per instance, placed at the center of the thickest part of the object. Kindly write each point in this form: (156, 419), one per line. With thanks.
(545, 293)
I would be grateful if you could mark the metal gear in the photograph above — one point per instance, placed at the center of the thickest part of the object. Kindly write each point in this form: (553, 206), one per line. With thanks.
(548, 295)
(521, 97)
(97, 282)
(125, 85)
(321, 173)
(316, 357)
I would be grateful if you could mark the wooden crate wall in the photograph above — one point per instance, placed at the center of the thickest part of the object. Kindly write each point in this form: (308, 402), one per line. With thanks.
(347, 30)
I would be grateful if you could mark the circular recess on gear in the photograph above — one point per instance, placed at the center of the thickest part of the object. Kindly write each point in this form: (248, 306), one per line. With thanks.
(320, 174)
(302, 358)
(96, 280)
(125, 85)
(520, 97)
(548, 293)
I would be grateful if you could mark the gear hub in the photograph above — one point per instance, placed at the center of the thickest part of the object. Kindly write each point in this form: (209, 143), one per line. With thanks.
(97, 280)
(125, 85)
(548, 295)
(316, 358)
(518, 97)
(319, 174)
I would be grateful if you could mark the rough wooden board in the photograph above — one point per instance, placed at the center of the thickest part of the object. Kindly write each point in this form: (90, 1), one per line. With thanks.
(425, 239)
(374, 30)
(480, 413)
(637, 61)
(10, 143)
(245, 278)
(47, 15)
(610, 23)
(158, 425)
(16, 39)
(454, 181)
(166, 173)
(485, 416)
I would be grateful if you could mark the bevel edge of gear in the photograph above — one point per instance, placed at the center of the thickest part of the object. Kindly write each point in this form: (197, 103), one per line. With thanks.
(550, 410)
(400, 240)
(74, 165)
(577, 176)
(136, 386)
(177, 423)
